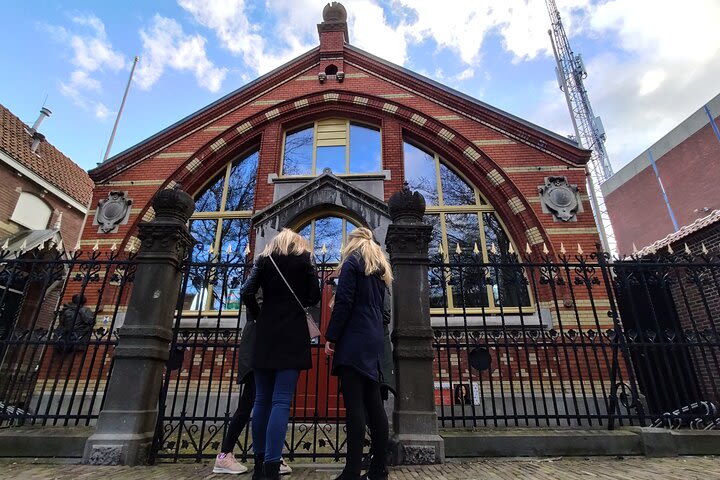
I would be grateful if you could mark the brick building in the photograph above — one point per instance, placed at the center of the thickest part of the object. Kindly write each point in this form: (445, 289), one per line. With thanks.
(686, 159)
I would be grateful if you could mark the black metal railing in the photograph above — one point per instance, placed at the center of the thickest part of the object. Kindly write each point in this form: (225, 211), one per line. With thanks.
(56, 355)
(576, 341)
(200, 393)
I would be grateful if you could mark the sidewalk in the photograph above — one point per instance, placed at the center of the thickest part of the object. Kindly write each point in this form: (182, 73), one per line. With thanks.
(686, 468)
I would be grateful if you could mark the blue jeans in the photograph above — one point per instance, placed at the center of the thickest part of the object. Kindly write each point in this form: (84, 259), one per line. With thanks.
(274, 391)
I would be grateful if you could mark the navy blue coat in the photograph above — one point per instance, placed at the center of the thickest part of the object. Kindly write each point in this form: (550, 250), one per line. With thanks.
(356, 324)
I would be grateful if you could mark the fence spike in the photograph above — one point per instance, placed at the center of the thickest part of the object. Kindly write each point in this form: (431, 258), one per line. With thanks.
(324, 249)
(247, 249)
(687, 249)
(59, 246)
(545, 249)
(96, 247)
(458, 250)
(229, 249)
(580, 250)
(493, 248)
(113, 247)
(635, 250)
(670, 250)
(440, 250)
(528, 250)
(23, 247)
(476, 250)
(704, 248)
(6, 245)
(511, 249)
(562, 248)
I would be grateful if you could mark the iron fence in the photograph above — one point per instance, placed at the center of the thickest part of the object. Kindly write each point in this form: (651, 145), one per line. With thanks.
(200, 390)
(55, 357)
(576, 341)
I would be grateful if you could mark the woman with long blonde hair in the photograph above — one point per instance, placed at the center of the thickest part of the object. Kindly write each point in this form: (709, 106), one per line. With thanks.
(286, 274)
(354, 339)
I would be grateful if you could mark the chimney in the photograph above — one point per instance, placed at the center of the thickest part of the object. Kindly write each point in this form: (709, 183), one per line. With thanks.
(44, 112)
(334, 35)
(37, 140)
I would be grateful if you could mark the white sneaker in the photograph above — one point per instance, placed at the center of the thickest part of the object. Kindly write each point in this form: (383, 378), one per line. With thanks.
(284, 467)
(228, 464)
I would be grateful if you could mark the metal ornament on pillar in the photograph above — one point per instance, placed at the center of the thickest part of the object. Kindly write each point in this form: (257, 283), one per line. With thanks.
(416, 439)
(126, 425)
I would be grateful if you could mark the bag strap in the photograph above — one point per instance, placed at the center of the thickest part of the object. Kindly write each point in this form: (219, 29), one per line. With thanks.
(286, 283)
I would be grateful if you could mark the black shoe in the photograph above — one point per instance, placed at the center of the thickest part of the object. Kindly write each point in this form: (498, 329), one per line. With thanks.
(348, 476)
(379, 475)
(258, 468)
(271, 470)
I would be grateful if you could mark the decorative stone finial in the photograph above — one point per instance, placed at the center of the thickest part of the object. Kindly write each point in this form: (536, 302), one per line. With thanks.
(334, 12)
(173, 203)
(406, 206)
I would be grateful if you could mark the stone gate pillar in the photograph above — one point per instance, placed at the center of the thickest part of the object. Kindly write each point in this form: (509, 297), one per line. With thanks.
(126, 425)
(415, 421)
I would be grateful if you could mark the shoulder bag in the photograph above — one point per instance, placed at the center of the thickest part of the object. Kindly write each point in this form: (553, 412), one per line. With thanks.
(312, 326)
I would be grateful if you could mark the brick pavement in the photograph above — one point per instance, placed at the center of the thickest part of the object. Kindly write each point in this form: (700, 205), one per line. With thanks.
(686, 468)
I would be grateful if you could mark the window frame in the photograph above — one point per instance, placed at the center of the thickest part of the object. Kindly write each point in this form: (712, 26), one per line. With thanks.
(481, 207)
(313, 163)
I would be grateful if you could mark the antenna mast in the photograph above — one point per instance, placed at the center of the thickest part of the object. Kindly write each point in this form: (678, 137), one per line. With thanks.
(589, 131)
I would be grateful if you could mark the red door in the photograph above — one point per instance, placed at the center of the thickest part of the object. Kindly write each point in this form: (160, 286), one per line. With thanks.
(318, 392)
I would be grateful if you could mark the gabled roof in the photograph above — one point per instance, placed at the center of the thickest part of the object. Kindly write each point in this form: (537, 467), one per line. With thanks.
(514, 126)
(49, 163)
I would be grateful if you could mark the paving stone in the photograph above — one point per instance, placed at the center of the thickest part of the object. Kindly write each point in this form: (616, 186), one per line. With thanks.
(605, 468)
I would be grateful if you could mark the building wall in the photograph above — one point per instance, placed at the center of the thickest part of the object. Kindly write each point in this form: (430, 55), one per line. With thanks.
(689, 172)
(12, 184)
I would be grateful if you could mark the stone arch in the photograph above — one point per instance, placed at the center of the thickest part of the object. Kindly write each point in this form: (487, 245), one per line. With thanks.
(523, 224)
(325, 194)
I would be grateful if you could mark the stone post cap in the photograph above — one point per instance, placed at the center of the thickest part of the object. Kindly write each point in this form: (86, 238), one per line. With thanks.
(406, 206)
(334, 12)
(173, 204)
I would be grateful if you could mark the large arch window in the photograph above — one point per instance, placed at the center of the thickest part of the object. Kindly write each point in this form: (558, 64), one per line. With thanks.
(221, 224)
(466, 229)
(342, 146)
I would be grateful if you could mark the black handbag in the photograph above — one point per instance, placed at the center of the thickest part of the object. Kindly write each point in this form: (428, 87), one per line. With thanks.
(246, 350)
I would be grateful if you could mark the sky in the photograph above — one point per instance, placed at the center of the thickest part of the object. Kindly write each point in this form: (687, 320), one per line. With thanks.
(650, 63)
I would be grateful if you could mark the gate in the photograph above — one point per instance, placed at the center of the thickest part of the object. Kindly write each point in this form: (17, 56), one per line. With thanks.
(200, 390)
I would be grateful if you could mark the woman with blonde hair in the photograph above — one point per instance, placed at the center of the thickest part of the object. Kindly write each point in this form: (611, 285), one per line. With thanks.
(286, 274)
(355, 341)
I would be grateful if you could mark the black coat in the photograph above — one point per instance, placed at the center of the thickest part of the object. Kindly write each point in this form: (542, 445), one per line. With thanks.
(282, 340)
(356, 325)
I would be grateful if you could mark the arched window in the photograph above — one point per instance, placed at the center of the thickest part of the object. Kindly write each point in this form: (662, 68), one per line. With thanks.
(327, 235)
(221, 223)
(31, 212)
(466, 229)
(342, 146)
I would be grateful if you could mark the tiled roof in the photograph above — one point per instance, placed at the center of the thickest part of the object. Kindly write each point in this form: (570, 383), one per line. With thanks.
(51, 164)
(685, 231)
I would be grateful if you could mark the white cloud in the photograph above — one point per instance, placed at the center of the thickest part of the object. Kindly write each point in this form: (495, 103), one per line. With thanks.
(92, 53)
(166, 45)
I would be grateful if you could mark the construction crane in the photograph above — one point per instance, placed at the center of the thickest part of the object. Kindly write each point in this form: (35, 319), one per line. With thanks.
(589, 131)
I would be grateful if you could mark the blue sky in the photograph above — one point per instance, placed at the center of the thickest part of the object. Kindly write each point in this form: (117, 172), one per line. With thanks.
(650, 63)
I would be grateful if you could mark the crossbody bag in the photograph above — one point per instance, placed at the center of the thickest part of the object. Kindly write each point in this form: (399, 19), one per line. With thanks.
(312, 326)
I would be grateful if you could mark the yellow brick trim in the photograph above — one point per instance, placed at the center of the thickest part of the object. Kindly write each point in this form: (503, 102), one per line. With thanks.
(396, 95)
(516, 205)
(495, 177)
(446, 118)
(301, 103)
(174, 155)
(572, 231)
(446, 135)
(331, 97)
(134, 183)
(272, 114)
(217, 145)
(472, 154)
(418, 119)
(390, 108)
(149, 215)
(542, 168)
(500, 141)
(360, 101)
(244, 127)
(259, 103)
(217, 128)
(533, 236)
(194, 164)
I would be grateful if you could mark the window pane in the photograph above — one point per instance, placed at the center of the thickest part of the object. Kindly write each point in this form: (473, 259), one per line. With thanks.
(330, 157)
(455, 190)
(328, 232)
(365, 153)
(468, 282)
(508, 282)
(209, 200)
(420, 173)
(228, 274)
(196, 291)
(436, 273)
(241, 186)
(298, 153)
